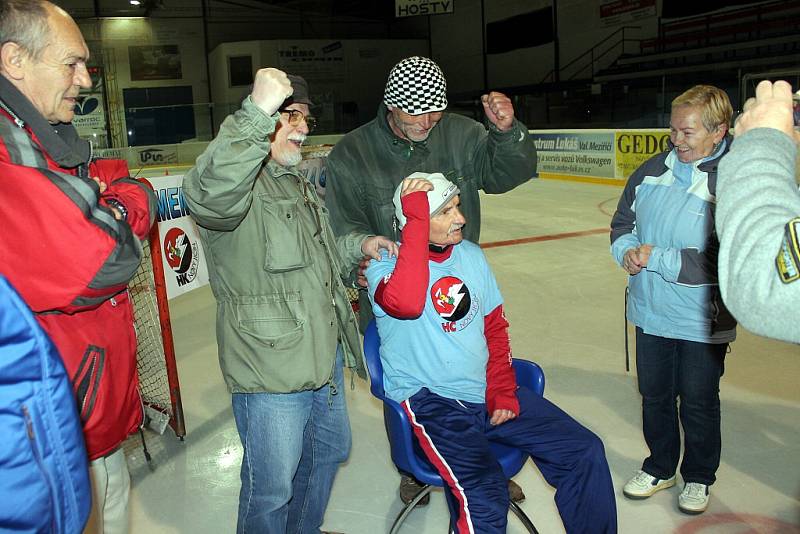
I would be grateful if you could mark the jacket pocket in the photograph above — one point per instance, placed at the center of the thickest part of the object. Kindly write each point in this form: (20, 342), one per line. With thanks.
(278, 333)
(86, 380)
(383, 212)
(286, 248)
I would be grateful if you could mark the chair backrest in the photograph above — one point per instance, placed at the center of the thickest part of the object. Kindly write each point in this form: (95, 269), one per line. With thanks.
(398, 427)
(529, 374)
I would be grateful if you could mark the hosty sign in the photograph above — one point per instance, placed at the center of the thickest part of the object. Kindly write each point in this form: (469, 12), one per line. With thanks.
(411, 8)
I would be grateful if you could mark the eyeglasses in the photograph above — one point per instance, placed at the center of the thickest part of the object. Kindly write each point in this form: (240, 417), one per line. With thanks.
(297, 116)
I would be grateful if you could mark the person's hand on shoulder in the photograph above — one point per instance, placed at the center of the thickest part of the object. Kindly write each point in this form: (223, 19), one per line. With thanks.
(270, 88)
(499, 110)
(361, 275)
(771, 108)
(371, 247)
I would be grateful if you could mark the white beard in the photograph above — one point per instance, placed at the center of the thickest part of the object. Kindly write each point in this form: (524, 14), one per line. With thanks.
(292, 159)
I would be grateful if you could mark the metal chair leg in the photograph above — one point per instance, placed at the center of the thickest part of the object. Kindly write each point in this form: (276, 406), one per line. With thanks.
(408, 509)
(522, 516)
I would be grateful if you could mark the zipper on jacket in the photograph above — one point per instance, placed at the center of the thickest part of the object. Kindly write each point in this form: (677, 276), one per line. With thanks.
(19, 122)
(35, 451)
(86, 380)
(332, 282)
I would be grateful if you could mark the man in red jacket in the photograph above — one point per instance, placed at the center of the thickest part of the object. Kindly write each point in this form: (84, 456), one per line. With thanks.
(70, 239)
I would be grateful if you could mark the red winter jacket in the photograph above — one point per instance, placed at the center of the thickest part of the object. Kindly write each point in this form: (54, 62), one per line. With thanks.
(71, 260)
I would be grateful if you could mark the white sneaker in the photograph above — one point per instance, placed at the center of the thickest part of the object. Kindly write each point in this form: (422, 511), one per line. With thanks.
(643, 485)
(694, 498)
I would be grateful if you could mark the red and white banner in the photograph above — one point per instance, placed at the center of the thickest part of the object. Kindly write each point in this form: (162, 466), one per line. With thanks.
(181, 249)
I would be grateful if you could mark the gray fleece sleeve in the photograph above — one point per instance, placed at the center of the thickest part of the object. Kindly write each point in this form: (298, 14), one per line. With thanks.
(758, 220)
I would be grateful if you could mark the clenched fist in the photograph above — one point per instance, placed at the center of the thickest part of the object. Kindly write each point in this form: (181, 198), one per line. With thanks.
(270, 88)
(499, 110)
(771, 108)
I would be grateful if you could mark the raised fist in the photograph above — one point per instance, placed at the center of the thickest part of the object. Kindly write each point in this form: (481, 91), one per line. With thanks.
(270, 88)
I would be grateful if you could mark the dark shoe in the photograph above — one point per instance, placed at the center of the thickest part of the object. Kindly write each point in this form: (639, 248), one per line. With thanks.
(515, 493)
(410, 488)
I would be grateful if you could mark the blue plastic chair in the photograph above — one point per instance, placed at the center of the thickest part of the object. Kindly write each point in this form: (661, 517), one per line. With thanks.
(401, 439)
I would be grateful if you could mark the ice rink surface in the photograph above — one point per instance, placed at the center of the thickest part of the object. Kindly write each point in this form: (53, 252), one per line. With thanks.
(564, 299)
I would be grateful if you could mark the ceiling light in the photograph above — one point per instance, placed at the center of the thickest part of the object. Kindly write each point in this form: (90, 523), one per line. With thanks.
(135, 2)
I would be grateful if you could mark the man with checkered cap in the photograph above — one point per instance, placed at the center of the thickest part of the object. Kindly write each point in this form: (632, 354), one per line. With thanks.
(412, 132)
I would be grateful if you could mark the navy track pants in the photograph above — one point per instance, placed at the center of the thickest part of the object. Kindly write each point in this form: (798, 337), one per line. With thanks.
(454, 435)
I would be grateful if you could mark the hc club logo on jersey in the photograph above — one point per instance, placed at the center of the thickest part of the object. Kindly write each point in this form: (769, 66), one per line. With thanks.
(452, 301)
(182, 255)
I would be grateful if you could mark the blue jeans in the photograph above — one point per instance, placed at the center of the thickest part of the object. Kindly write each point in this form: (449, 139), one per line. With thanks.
(293, 445)
(669, 369)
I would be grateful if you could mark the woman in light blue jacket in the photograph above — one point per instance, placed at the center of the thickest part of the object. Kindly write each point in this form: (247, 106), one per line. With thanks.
(662, 234)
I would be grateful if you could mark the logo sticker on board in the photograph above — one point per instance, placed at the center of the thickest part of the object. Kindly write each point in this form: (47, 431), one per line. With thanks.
(182, 255)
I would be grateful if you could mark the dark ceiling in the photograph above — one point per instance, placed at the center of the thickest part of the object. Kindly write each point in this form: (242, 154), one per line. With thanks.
(371, 10)
(382, 10)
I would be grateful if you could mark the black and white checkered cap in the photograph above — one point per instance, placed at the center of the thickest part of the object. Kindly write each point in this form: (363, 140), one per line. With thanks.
(416, 85)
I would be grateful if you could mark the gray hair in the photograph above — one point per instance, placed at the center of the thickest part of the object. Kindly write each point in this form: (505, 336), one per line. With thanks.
(25, 22)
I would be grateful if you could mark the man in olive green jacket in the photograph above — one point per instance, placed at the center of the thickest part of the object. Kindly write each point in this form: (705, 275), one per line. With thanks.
(285, 328)
(412, 133)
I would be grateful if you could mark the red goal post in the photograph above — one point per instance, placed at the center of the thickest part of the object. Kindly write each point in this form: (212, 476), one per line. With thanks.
(155, 350)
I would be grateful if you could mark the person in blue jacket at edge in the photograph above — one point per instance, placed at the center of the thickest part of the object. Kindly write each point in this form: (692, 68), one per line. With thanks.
(44, 475)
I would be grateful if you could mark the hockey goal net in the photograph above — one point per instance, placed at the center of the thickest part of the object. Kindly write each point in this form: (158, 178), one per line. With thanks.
(155, 354)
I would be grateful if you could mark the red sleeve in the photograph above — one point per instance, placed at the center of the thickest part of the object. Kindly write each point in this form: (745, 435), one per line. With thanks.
(501, 383)
(137, 197)
(57, 248)
(402, 295)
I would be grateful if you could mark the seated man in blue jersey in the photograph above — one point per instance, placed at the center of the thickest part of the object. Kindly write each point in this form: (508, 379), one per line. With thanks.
(447, 360)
